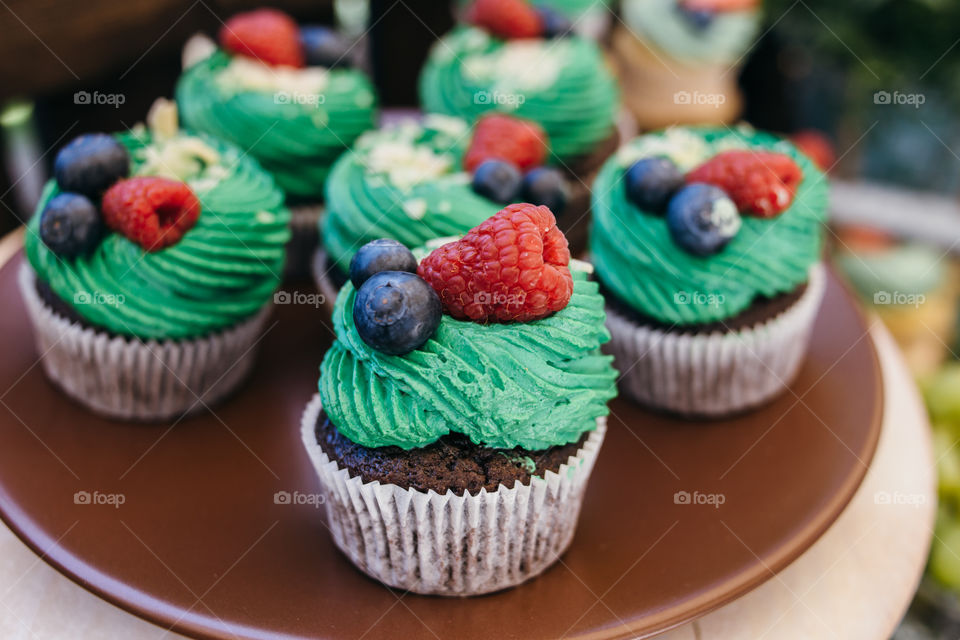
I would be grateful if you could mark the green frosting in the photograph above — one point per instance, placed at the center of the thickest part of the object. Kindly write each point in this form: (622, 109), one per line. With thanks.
(906, 269)
(563, 84)
(637, 259)
(404, 182)
(221, 272)
(531, 385)
(295, 134)
(728, 36)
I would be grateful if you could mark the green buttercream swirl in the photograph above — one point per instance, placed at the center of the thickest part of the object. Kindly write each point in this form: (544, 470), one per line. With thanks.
(564, 84)
(404, 182)
(221, 272)
(637, 259)
(296, 138)
(532, 385)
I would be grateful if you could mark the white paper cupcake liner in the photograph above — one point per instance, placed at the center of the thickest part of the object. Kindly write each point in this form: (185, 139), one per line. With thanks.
(719, 373)
(128, 379)
(304, 239)
(321, 276)
(448, 544)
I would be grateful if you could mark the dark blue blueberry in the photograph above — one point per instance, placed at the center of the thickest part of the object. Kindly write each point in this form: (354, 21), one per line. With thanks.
(379, 255)
(699, 19)
(396, 312)
(546, 186)
(90, 164)
(324, 47)
(651, 182)
(70, 225)
(702, 219)
(498, 180)
(555, 24)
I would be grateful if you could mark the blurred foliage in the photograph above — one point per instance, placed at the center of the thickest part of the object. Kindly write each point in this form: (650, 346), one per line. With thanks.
(879, 43)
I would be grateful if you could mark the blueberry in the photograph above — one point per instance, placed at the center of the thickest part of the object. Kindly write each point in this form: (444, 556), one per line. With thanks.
(702, 219)
(396, 312)
(651, 182)
(498, 180)
(324, 47)
(546, 186)
(90, 164)
(555, 24)
(699, 19)
(379, 255)
(70, 225)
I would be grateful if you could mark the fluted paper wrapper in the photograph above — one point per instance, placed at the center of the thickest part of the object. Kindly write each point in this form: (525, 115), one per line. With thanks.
(304, 239)
(448, 544)
(125, 378)
(719, 373)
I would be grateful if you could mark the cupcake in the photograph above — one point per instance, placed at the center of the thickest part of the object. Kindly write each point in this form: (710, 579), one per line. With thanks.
(677, 59)
(461, 408)
(285, 94)
(707, 244)
(520, 67)
(414, 182)
(153, 257)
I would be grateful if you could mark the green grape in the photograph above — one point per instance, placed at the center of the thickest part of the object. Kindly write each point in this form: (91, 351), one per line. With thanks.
(942, 393)
(946, 452)
(945, 554)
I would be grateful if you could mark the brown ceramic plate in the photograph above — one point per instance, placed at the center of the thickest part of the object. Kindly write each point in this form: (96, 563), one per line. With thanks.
(200, 545)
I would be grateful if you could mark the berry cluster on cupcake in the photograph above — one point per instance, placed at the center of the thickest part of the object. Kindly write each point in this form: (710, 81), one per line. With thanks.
(289, 95)
(460, 392)
(707, 243)
(417, 181)
(511, 57)
(153, 257)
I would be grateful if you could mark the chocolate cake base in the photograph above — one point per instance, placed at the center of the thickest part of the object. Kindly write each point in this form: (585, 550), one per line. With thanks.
(761, 310)
(452, 463)
(580, 172)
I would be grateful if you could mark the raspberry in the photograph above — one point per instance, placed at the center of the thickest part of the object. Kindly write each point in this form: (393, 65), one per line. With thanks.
(268, 35)
(760, 183)
(506, 18)
(720, 6)
(511, 268)
(153, 212)
(521, 142)
(815, 146)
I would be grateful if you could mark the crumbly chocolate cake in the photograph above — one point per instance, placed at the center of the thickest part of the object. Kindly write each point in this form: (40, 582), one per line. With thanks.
(760, 311)
(453, 462)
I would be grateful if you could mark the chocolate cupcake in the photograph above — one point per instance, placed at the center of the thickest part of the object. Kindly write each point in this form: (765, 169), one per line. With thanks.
(707, 244)
(558, 80)
(434, 434)
(153, 258)
(287, 95)
(677, 59)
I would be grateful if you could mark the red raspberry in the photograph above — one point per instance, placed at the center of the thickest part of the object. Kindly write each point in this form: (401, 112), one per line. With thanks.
(511, 268)
(815, 146)
(506, 18)
(268, 35)
(720, 6)
(760, 183)
(153, 212)
(522, 142)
